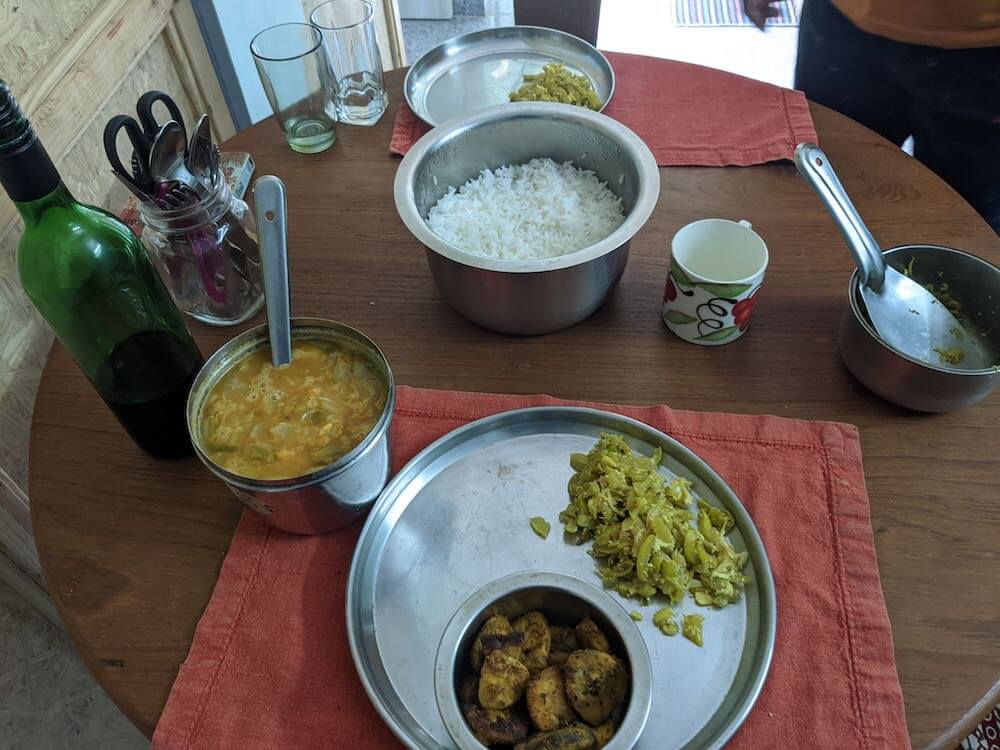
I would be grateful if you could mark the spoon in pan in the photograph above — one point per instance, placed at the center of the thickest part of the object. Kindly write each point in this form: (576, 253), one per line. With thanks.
(271, 214)
(907, 316)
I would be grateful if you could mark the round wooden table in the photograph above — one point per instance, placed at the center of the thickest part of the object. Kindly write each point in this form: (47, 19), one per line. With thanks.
(131, 546)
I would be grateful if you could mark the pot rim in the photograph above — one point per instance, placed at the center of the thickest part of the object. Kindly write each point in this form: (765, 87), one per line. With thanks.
(641, 672)
(642, 157)
(223, 359)
(859, 316)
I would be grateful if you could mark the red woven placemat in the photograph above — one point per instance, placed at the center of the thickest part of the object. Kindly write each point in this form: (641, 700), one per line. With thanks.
(270, 665)
(687, 114)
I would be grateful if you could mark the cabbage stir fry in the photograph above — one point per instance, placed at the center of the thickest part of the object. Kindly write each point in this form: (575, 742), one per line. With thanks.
(649, 536)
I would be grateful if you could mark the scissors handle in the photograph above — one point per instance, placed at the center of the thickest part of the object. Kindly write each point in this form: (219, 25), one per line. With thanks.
(144, 108)
(140, 178)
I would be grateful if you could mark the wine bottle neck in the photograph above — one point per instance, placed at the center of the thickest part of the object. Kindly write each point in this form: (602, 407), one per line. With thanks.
(26, 171)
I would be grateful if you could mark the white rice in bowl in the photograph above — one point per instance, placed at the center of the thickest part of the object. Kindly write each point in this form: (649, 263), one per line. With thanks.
(527, 211)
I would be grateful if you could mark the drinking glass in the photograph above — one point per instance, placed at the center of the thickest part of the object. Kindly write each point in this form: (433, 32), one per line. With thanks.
(348, 28)
(299, 84)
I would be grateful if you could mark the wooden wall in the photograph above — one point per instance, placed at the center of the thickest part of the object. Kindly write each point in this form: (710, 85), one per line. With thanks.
(73, 64)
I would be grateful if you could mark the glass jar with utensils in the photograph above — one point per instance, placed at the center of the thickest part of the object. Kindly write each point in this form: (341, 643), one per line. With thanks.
(199, 235)
(206, 252)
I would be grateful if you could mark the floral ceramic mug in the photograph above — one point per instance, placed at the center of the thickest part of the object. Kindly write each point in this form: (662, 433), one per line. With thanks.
(716, 272)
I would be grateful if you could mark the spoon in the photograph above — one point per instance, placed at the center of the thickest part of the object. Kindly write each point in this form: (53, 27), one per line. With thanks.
(167, 155)
(271, 214)
(200, 149)
(907, 316)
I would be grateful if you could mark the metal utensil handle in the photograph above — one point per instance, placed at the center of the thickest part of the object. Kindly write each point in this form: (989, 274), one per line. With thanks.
(814, 165)
(271, 214)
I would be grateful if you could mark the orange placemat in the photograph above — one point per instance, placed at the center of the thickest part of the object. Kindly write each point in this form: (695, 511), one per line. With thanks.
(270, 665)
(687, 114)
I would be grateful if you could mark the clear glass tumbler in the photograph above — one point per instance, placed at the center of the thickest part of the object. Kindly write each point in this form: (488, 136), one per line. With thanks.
(299, 83)
(348, 28)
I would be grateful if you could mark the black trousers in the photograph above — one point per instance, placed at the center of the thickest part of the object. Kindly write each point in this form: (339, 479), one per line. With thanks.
(947, 99)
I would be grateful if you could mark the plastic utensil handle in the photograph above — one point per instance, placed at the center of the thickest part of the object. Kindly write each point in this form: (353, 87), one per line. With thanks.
(813, 164)
(270, 212)
(144, 108)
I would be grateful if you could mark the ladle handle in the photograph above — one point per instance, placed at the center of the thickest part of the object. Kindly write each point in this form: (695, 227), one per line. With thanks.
(271, 215)
(813, 164)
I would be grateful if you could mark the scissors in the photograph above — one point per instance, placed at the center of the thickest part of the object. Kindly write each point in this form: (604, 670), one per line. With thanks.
(141, 135)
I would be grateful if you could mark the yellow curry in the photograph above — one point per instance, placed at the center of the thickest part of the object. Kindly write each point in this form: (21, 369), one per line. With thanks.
(264, 422)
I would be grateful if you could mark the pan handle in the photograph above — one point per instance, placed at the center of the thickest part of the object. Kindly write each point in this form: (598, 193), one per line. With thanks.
(814, 165)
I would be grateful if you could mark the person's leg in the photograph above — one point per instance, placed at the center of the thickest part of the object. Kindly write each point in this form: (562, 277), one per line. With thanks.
(956, 127)
(841, 67)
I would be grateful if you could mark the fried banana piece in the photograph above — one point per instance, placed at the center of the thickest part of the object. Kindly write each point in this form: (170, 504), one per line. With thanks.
(502, 681)
(604, 733)
(576, 737)
(537, 640)
(588, 635)
(595, 684)
(495, 634)
(496, 726)
(548, 706)
(563, 644)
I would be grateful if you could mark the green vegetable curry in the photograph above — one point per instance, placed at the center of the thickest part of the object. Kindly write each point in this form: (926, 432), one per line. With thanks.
(647, 537)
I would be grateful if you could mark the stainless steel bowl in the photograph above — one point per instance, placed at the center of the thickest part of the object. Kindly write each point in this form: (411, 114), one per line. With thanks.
(909, 382)
(539, 296)
(330, 497)
(564, 600)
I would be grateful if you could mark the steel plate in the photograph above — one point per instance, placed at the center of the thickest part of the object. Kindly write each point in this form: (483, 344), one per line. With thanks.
(456, 518)
(480, 69)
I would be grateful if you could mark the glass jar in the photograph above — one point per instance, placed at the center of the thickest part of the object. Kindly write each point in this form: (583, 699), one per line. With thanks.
(207, 255)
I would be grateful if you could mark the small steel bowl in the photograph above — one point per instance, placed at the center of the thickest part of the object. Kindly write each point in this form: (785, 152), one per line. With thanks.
(910, 382)
(537, 296)
(564, 600)
(330, 497)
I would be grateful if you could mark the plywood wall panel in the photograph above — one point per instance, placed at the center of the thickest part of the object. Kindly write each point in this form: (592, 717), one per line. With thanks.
(33, 31)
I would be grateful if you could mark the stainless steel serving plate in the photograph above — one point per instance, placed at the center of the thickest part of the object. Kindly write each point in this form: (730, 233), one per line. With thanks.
(480, 69)
(456, 518)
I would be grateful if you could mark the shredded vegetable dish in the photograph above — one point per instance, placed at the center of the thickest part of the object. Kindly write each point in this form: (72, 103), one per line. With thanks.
(275, 423)
(649, 536)
(556, 84)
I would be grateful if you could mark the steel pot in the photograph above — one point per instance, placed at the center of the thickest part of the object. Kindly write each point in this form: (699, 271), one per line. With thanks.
(538, 296)
(330, 497)
(913, 383)
(564, 600)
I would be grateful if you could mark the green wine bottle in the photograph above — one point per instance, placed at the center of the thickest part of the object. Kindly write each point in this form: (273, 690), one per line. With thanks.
(89, 276)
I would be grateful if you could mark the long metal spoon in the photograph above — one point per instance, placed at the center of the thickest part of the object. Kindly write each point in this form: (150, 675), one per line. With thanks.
(907, 316)
(167, 155)
(271, 214)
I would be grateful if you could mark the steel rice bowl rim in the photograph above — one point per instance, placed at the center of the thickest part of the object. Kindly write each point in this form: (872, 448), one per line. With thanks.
(641, 157)
(253, 339)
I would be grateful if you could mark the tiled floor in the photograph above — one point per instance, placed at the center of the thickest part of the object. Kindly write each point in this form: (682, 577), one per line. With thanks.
(48, 700)
(420, 36)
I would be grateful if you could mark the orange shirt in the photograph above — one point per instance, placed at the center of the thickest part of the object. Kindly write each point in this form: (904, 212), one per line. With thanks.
(936, 23)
